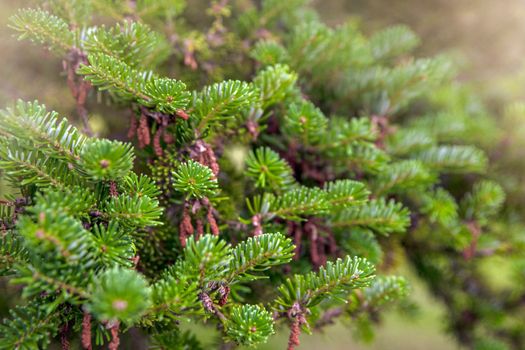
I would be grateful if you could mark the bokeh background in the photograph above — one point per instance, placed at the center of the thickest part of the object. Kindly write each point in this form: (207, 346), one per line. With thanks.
(486, 36)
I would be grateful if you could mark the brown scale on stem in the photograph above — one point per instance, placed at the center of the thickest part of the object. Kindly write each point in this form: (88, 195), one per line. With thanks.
(186, 228)
(157, 147)
(142, 128)
(295, 331)
(207, 303)
(211, 160)
(253, 129)
(113, 191)
(209, 306)
(224, 292)
(297, 319)
(86, 332)
(115, 340)
(182, 114)
(143, 134)
(167, 137)
(64, 341)
(210, 217)
(200, 228)
(257, 225)
(203, 153)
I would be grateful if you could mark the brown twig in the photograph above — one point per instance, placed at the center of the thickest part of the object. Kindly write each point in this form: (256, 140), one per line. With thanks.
(209, 306)
(78, 86)
(475, 231)
(328, 317)
(313, 235)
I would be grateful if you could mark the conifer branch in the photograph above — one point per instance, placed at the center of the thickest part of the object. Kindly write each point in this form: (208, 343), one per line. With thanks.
(258, 254)
(318, 133)
(379, 215)
(44, 28)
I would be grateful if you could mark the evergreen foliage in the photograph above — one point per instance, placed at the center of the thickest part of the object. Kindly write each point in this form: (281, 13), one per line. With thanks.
(280, 164)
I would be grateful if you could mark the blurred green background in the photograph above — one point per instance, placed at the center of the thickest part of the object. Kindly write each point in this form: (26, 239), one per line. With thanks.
(487, 36)
(487, 33)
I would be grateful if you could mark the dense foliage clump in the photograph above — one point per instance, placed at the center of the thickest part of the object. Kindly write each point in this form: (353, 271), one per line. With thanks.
(281, 169)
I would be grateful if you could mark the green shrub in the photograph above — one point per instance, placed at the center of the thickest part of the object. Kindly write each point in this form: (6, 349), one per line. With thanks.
(279, 177)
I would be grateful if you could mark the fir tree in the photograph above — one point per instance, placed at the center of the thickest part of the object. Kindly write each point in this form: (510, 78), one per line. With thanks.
(285, 166)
